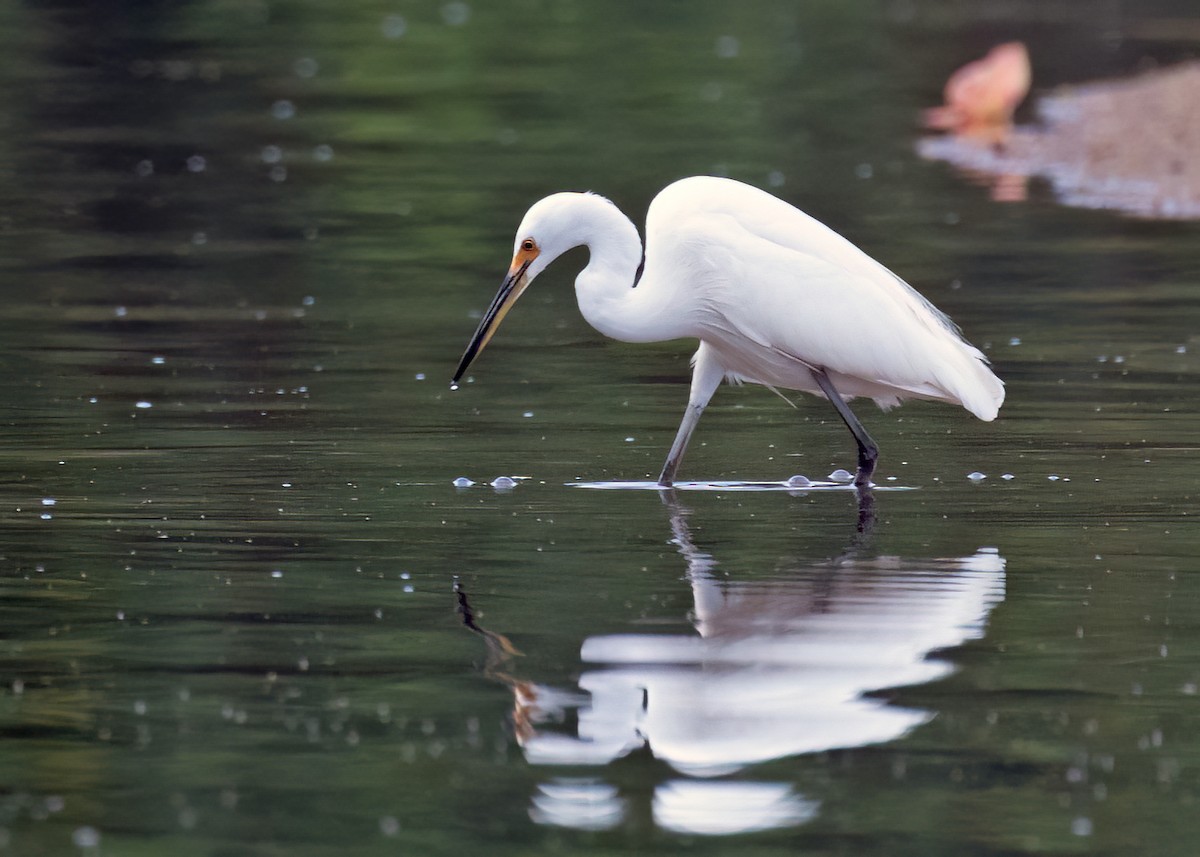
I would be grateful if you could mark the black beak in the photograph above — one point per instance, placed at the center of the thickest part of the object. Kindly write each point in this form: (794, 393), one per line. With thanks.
(510, 290)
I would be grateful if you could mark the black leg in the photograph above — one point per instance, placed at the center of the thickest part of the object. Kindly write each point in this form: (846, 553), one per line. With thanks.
(868, 452)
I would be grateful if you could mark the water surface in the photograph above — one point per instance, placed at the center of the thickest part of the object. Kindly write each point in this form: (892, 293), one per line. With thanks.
(246, 611)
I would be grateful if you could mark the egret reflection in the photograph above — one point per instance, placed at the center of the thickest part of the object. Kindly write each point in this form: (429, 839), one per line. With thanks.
(775, 668)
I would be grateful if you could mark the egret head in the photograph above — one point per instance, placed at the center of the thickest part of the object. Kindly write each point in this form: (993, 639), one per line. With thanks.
(551, 227)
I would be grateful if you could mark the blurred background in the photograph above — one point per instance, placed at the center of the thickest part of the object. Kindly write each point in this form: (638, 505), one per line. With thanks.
(242, 245)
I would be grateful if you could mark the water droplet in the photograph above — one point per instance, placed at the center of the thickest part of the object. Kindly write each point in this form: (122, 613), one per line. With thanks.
(728, 47)
(504, 483)
(394, 26)
(306, 67)
(283, 109)
(86, 837)
(456, 14)
(463, 482)
(799, 481)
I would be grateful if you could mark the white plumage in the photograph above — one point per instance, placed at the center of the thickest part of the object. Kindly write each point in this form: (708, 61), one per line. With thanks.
(774, 296)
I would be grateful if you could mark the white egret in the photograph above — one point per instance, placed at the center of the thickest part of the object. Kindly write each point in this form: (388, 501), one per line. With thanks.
(775, 298)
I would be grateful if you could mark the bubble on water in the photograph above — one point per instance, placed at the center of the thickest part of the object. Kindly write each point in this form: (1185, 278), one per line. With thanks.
(271, 154)
(196, 164)
(389, 826)
(630, 439)
(456, 14)
(463, 482)
(976, 476)
(49, 501)
(1053, 477)
(46, 516)
(139, 708)
(86, 837)
(1081, 826)
(276, 574)
(283, 109)
(420, 376)
(527, 414)
(394, 26)
(323, 153)
(1181, 349)
(1007, 477)
(408, 587)
(120, 312)
(278, 173)
(453, 386)
(144, 169)
(158, 361)
(841, 475)
(143, 405)
(775, 178)
(864, 171)
(92, 400)
(55, 803)
(1016, 340)
(799, 481)
(1119, 359)
(504, 483)
(728, 47)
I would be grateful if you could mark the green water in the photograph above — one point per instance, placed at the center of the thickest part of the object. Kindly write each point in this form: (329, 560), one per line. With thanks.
(242, 246)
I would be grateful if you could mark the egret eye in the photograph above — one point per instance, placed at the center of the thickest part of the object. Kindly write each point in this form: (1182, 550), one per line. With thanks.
(527, 244)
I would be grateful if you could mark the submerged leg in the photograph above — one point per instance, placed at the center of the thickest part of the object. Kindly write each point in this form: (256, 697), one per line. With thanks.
(868, 452)
(706, 377)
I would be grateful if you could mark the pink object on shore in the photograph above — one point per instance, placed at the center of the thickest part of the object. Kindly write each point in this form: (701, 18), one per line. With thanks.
(982, 95)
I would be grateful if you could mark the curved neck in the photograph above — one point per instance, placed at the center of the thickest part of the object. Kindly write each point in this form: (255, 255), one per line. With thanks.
(610, 294)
